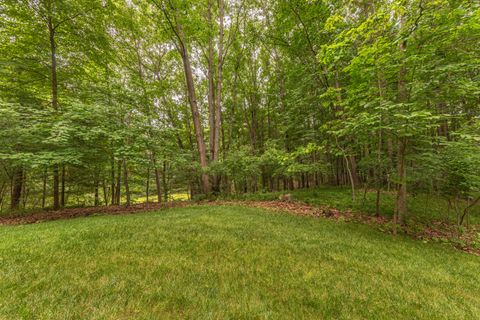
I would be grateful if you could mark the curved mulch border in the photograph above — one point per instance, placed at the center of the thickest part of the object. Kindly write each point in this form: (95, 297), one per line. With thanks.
(88, 211)
(440, 232)
(292, 207)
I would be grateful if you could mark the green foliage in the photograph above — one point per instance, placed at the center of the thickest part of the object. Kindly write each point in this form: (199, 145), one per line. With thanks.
(461, 164)
(310, 90)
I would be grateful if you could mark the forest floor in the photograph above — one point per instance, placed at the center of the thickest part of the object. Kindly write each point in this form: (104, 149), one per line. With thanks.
(229, 262)
(433, 230)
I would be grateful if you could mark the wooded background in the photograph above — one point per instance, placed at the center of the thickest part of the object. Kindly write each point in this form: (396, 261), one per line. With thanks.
(105, 102)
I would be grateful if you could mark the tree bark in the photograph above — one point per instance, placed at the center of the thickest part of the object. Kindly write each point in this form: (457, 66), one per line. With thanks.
(105, 192)
(211, 83)
(354, 171)
(147, 186)
(164, 181)
(157, 179)
(401, 201)
(44, 188)
(96, 196)
(125, 182)
(54, 96)
(119, 182)
(17, 187)
(62, 194)
(218, 95)
(56, 188)
(192, 98)
(112, 182)
(378, 175)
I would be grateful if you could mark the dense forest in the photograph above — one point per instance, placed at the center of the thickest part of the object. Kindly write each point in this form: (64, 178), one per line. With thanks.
(116, 101)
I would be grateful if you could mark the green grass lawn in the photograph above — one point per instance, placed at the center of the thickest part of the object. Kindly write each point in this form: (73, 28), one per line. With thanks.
(228, 263)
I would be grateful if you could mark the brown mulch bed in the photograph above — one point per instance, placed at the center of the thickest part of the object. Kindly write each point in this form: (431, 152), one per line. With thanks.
(69, 213)
(437, 231)
(85, 212)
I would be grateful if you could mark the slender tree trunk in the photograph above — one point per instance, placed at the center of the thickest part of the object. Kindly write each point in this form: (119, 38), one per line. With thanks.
(354, 171)
(44, 188)
(112, 181)
(211, 82)
(56, 188)
(391, 162)
(147, 187)
(96, 196)
(164, 181)
(379, 184)
(24, 193)
(54, 93)
(2, 194)
(119, 183)
(62, 194)
(218, 95)
(17, 187)
(401, 201)
(157, 180)
(105, 192)
(125, 182)
(192, 98)
(352, 181)
(349, 171)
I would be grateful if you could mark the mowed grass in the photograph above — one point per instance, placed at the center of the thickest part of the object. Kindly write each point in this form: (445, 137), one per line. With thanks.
(228, 263)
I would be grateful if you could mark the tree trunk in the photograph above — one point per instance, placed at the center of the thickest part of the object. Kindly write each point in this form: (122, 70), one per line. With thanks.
(164, 181)
(56, 188)
(192, 98)
(349, 171)
(105, 192)
(119, 182)
(54, 93)
(378, 182)
(147, 187)
(218, 96)
(112, 182)
(125, 182)
(62, 194)
(17, 187)
(401, 201)
(2, 195)
(44, 188)
(157, 180)
(211, 83)
(354, 171)
(96, 196)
